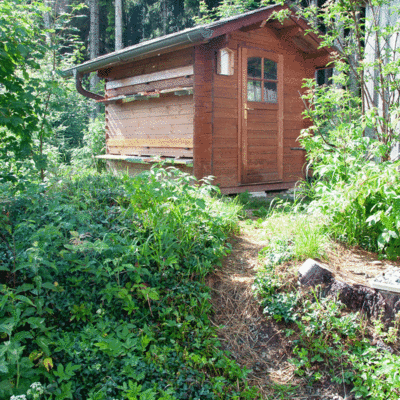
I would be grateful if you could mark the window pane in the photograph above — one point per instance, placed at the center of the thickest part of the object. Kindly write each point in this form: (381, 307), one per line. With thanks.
(254, 91)
(254, 67)
(324, 76)
(270, 92)
(270, 69)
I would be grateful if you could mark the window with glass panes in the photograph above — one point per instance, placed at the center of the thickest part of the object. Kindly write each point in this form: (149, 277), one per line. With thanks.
(262, 80)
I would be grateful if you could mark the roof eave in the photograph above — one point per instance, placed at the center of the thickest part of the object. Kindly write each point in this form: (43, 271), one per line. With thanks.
(193, 36)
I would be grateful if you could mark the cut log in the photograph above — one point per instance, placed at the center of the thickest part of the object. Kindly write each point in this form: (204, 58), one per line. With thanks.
(311, 273)
(375, 303)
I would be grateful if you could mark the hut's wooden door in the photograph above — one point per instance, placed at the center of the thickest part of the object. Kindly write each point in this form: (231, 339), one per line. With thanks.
(261, 116)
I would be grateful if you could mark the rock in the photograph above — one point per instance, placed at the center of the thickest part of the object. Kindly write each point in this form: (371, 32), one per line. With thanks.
(388, 280)
(384, 346)
(337, 397)
(311, 273)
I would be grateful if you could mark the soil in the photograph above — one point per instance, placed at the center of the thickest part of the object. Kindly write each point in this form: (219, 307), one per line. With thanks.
(260, 344)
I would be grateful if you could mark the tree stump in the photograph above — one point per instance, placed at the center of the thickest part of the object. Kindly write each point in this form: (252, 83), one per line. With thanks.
(374, 303)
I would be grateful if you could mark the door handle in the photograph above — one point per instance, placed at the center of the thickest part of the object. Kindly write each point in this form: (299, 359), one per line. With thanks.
(246, 109)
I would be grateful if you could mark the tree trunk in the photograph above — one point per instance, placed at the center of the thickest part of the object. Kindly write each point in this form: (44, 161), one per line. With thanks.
(118, 25)
(164, 16)
(47, 21)
(94, 44)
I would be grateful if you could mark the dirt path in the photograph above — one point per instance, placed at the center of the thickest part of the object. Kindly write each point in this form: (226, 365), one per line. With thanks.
(255, 342)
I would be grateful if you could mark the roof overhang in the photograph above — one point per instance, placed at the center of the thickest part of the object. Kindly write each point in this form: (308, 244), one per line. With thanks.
(187, 37)
(145, 49)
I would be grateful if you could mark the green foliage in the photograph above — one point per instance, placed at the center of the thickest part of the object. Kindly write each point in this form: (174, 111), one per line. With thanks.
(21, 50)
(335, 142)
(331, 343)
(354, 124)
(365, 209)
(268, 285)
(93, 145)
(366, 63)
(41, 115)
(293, 232)
(277, 252)
(358, 195)
(281, 306)
(377, 373)
(325, 334)
(225, 9)
(102, 289)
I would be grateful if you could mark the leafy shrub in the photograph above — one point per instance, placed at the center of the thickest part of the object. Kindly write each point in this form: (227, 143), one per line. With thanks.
(366, 209)
(376, 374)
(93, 145)
(358, 195)
(102, 293)
(281, 306)
(325, 335)
(268, 283)
(277, 252)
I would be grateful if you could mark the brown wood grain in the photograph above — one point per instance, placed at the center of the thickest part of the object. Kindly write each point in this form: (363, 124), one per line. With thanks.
(153, 64)
(173, 130)
(163, 75)
(159, 141)
(203, 88)
(150, 151)
(262, 126)
(151, 86)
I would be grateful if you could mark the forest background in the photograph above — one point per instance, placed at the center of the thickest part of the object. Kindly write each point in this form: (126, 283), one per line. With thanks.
(39, 39)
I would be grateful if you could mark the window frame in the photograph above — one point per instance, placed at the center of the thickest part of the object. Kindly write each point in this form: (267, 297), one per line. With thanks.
(262, 80)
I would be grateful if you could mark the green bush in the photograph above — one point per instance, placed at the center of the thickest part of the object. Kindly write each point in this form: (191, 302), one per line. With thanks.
(93, 145)
(365, 210)
(377, 373)
(103, 294)
(358, 195)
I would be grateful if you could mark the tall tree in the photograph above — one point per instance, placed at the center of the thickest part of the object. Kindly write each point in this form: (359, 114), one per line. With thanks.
(94, 37)
(94, 45)
(164, 16)
(118, 25)
(47, 20)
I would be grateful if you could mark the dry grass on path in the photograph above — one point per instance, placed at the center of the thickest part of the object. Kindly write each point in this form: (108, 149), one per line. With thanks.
(254, 342)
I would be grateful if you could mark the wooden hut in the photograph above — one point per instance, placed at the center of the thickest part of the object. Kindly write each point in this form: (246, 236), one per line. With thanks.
(220, 99)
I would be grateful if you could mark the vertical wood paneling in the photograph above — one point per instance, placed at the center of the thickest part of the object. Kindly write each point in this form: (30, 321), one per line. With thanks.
(202, 140)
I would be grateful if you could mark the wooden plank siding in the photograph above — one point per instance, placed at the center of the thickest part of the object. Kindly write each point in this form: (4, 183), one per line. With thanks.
(202, 140)
(160, 126)
(225, 118)
(163, 62)
(144, 127)
(217, 109)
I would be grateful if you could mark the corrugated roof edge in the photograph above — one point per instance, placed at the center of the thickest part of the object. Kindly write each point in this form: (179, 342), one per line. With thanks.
(193, 35)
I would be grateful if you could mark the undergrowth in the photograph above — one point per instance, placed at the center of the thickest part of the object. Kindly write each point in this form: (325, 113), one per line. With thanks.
(329, 343)
(103, 294)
